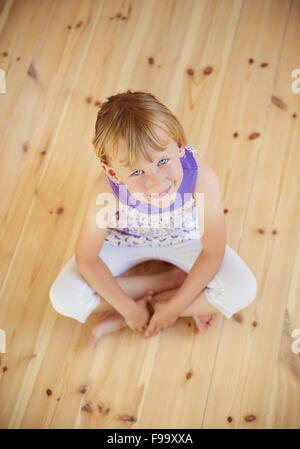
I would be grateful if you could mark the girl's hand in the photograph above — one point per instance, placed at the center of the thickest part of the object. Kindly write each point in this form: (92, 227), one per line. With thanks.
(163, 317)
(139, 316)
(149, 296)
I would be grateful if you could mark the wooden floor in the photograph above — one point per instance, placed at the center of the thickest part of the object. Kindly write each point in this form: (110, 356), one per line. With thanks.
(225, 69)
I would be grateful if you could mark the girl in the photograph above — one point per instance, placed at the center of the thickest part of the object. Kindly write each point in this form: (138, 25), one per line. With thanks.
(155, 199)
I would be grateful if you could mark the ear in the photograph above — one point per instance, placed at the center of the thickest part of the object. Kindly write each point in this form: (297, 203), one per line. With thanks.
(181, 152)
(111, 173)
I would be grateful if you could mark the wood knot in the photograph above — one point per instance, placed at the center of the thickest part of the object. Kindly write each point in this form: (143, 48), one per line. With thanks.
(251, 60)
(225, 211)
(189, 375)
(237, 317)
(129, 418)
(32, 71)
(59, 210)
(103, 410)
(254, 324)
(87, 407)
(208, 70)
(151, 61)
(235, 135)
(264, 64)
(190, 72)
(25, 147)
(254, 136)
(49, 392)
(229, 419)
(250, 418)
(261, 231)
(278, 102)
(83, 389)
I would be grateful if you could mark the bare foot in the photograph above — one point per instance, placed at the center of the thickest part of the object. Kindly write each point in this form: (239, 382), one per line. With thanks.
(176, 276)
(112, 323)
(202, 322)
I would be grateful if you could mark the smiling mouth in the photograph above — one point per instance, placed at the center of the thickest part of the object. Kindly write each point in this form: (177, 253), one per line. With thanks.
(160, 195)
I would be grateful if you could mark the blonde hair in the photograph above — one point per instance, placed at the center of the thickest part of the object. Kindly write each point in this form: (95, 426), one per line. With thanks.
(132, 117)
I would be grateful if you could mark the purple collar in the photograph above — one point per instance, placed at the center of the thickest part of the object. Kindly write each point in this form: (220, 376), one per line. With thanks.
(183, 194)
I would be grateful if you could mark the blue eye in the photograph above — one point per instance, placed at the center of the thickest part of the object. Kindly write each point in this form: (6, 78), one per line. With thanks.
(163, 160)
(133, 174)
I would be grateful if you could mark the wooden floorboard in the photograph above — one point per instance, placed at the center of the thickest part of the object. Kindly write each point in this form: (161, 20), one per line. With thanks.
(62, 57)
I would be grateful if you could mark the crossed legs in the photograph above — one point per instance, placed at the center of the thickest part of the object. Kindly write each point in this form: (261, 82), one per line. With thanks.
(165, 286)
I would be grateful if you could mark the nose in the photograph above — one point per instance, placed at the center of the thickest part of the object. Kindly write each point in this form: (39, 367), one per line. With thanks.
(153, 182)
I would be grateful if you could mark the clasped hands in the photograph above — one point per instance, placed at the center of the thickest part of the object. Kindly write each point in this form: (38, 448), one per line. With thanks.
(163, 316)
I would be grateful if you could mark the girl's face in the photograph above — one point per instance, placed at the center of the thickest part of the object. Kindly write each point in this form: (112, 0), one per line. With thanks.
(146, 180)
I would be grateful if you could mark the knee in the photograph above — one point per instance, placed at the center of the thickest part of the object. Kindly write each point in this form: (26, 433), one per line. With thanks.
(64, 299)
(251, 286)
(246, 287)
(58, 300)
(72, 299)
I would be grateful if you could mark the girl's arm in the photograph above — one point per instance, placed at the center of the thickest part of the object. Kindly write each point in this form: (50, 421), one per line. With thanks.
(89, 243)
(213, 238)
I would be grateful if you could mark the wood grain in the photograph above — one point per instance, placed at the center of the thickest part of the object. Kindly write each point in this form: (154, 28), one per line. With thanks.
(224, 68)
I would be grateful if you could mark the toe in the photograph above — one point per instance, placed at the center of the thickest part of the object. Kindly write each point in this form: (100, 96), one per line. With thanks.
(201, 324)
(203, 329)
(209, 320)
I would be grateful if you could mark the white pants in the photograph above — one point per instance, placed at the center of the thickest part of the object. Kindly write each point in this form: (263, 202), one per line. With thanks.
(231, 289)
